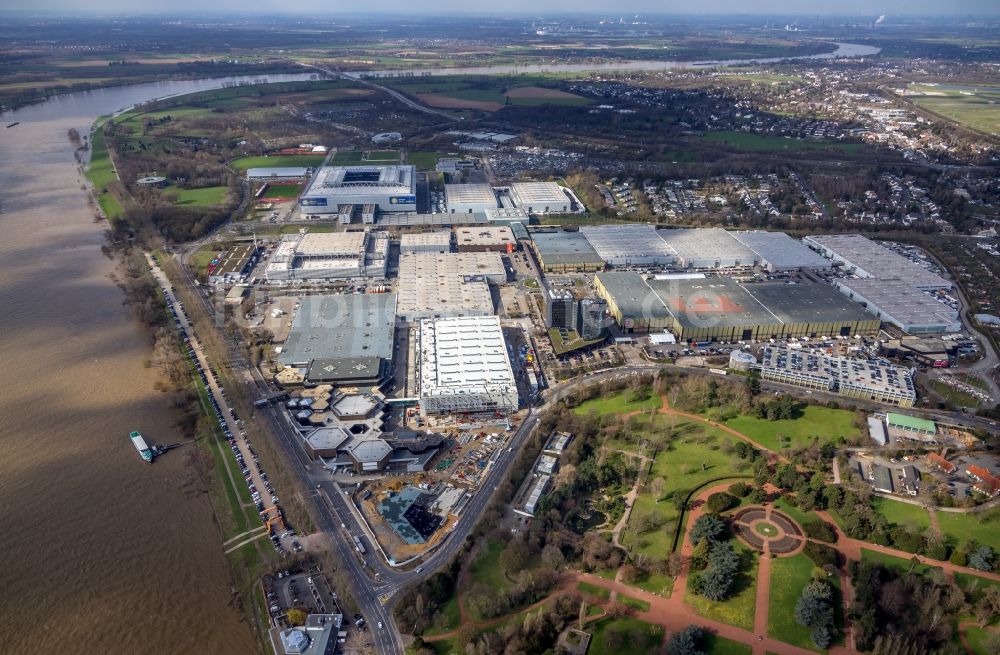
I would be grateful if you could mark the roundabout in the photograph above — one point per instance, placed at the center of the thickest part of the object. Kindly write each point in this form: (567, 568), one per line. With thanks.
(767, 530)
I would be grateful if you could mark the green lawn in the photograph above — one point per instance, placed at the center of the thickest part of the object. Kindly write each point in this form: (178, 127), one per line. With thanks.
(979, 640)
(903, 514)
(282, 191)
(622, 402)
(449, 617)
(593, 590)
(100, 172)
(982, 527)
(954, 396)
(716, 645)
(424, 160)
(243, 163)
(751, 142)
(738, 609)
(789, 575)
(691, 458)
(634, 603)
(968, 582)
(383, 156)
(486, 568)
(899, 564)
(654, 583)
(639, 637)
(205, 197)
(815, 422)
(347, 156)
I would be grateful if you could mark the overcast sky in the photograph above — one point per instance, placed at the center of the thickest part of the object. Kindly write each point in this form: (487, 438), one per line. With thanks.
(610, 7)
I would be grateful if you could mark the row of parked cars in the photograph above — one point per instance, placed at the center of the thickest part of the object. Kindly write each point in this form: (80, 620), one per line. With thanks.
(256, 495)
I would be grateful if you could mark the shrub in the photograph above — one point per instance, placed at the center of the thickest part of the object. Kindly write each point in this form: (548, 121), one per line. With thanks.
(820, 530)
(720, 502)
(820, 554)
(739, 489)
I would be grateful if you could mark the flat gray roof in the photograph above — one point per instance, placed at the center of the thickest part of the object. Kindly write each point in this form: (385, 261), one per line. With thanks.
(565, 248)
(807, 302)
(341, 326)
(781, 251)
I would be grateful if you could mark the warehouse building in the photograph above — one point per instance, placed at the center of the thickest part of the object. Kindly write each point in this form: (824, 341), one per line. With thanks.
(507, 216)
(540, 197)
(563, 252)
(857, 378)
(469, 198)
(928, 351)
(900, 303)
(234, 265)
(388, 188)
(428, 266)
(721, 309)
(629, 245)
(437, 241)
(776, 251)
(707, 248)
(443, 297)
(867, 259)
(335, 326)
(328, 255)
(465, 367)
(492, 238)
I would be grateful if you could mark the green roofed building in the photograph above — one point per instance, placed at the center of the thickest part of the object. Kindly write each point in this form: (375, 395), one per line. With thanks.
(910, 423)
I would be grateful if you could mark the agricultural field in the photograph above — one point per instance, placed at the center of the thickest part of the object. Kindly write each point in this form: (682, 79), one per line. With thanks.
(974, 106)
(815, 422)
(750, 142)
(486, 93)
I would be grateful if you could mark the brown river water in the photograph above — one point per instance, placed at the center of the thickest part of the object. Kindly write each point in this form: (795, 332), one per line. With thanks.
(99, 551)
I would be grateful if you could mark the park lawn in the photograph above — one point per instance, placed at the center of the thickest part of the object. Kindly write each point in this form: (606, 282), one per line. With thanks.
(628, 626)
(282, 191)
(424, 160)
(109, 205)
(901, 513)
(693, 458)
(815, 422)
(486, 568)
(716, 645)
(634, 603)
(899, 564)
(984, 527)
(789, 576)
(738, 609)
(795, 513)
(308, 161)
(449, 617)
(751, 142)
(978, 639)
(593, 590)
(211, 196)
(620, 403)
(967, 581)
(655, 583)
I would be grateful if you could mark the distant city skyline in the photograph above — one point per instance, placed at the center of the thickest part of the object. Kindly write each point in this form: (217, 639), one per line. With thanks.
(528, 8)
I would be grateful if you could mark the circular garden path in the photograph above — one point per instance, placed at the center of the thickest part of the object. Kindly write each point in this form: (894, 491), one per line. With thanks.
(767, 530)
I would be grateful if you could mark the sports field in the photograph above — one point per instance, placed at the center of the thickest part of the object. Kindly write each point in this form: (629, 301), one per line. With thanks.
(282, 191)
(243, 163)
